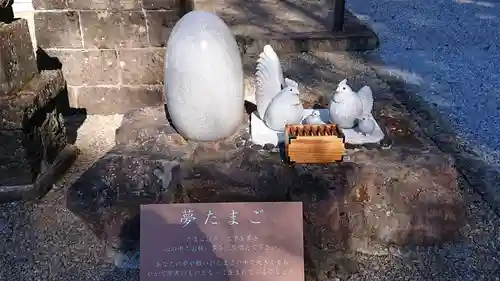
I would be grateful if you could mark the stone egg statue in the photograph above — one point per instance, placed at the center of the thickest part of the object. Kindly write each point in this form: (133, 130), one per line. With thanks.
(204, 90)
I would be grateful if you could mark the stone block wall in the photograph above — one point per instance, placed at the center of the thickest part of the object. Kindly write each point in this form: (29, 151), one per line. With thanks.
(111, 50)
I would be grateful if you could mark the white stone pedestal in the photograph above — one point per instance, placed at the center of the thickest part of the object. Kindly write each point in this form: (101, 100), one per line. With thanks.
(352, 136)
(262, 135)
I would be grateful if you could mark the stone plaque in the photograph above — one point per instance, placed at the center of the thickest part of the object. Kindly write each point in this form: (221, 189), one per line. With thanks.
(222, 242)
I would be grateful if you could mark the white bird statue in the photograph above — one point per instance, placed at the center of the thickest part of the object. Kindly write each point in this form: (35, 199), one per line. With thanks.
(278, 102)
(346, 106)
(313, 118)
(366, 125)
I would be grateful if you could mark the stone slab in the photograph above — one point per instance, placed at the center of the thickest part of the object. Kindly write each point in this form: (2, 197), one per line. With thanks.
(117, 99)
(32, 136)
(88, 67)
(114, 29)
(17, 59)
(353, 137)
(160, 24)
(35, 144)
(58, 29)
(262, 135)
(289, 26)
(222, 241)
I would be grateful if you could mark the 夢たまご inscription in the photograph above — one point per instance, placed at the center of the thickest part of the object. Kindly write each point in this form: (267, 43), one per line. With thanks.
(188, 216)
(222, 241)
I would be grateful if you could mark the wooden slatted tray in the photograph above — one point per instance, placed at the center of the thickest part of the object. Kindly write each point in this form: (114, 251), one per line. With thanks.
(314, 144)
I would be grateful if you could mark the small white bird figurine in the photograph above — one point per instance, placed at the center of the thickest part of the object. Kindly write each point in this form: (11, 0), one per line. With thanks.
(313, 118)
(278, 102)
(346, 106)
(366, 125)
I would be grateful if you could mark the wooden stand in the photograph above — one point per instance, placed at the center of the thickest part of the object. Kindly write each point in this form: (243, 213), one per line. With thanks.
(313, 144)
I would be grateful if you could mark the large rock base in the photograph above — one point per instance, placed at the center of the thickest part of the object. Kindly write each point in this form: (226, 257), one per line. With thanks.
(375, 199)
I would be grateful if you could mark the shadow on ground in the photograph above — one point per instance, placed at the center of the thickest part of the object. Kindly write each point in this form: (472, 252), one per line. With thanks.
(74, 117)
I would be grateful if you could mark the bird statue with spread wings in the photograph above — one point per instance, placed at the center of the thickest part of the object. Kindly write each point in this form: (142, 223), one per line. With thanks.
(347, 107)
(277, 97)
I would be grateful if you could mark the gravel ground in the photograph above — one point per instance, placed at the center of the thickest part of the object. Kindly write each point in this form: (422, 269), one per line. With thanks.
(45, 241)
(473, 256)
(450, 48)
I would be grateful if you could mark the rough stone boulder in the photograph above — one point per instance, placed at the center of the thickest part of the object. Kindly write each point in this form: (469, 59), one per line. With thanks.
(108, 195)
(401, 197)
(32, 130)
(375, 198)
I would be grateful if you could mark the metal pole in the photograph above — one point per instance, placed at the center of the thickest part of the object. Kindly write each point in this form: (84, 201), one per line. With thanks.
(338, 15)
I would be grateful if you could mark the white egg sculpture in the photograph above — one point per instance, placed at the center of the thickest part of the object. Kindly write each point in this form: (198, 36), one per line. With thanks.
(204, 90)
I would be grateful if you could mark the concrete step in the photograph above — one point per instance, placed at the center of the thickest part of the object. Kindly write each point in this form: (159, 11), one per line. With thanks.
(290, 26)
(17, 59)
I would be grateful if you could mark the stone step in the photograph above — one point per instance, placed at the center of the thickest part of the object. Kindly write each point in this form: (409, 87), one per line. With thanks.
(17, 108)
(17, 59)
(37, 188)
(289, 26)
(33, 137)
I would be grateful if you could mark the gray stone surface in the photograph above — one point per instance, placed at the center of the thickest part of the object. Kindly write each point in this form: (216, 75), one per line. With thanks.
(49, 4)
(112, 68)
(162, 4)
(58, 29)
(108, 195)
(148, 129)
(111, 100)
(17, 60)
(148, 61)
(34, 138)
(104, 4)
(45, 133)
(89, 67)
(160, 24)
(105, 29)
